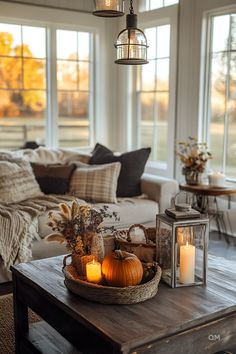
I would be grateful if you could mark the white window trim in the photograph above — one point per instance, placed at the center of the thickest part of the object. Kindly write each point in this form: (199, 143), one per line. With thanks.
(205, 71)
(158, 17)
(148, 5)
(61, 19)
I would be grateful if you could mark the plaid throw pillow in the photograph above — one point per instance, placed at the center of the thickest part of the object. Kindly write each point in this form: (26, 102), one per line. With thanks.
(96, 183)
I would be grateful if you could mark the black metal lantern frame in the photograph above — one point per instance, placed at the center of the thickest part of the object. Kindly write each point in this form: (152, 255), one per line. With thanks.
(109, 8)
(131, 42)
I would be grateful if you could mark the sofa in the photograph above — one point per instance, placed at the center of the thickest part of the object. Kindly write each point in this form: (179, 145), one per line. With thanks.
(155, 197)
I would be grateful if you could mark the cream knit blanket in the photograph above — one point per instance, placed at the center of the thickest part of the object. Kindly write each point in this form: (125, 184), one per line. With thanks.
(19, 226)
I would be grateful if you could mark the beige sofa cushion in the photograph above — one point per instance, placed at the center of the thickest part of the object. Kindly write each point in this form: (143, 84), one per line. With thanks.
(130, 211)
(17, 181)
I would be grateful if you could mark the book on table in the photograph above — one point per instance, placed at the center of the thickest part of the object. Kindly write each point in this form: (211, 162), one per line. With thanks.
(192, 213)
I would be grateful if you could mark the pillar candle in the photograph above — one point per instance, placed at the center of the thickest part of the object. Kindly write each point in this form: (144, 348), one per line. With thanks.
(187, 264)
(93, 271)
(216, 179)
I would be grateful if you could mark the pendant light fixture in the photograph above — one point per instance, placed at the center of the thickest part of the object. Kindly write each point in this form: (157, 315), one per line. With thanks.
(109, 8)
(131, 43)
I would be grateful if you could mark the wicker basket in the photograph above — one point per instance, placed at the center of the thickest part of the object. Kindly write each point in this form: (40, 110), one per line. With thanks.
(146, 250)
(107, 294)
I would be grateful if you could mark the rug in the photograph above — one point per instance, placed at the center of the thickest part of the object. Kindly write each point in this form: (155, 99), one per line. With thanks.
(7, 336)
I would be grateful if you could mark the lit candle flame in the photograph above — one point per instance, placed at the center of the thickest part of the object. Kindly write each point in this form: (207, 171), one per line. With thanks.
(108, 3)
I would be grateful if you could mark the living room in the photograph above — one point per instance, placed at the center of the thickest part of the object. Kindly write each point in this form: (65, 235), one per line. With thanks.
(75, 124)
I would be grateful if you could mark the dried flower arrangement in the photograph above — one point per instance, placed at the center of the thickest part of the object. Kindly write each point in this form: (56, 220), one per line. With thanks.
(77, 224)
(193, 156)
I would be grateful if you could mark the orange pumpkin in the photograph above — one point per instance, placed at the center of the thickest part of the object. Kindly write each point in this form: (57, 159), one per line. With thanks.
(122, 269)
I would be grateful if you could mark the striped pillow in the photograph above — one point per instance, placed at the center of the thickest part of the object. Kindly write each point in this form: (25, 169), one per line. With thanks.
(17, 181)
(96, 183)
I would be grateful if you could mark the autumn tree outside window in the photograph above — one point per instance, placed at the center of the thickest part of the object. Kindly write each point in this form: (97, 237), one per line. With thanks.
(220, 110)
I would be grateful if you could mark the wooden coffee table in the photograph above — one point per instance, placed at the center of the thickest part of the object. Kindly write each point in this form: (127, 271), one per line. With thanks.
(183, 320)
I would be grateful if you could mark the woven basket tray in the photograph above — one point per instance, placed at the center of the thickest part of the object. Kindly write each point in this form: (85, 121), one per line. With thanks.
(111, 295)
(146, 250)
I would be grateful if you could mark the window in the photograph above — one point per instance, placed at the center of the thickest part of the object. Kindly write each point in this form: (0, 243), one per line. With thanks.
(23, 95)
(73, 68)
(221, 86)
(25, 103)
(153, 94)
(148, 5)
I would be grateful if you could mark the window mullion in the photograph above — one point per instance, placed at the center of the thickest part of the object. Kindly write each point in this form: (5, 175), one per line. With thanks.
(227, 96)
(92, 103)
(52, 107)
(155, 127)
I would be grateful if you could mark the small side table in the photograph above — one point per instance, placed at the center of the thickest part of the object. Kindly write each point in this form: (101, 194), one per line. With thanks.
(203, 192)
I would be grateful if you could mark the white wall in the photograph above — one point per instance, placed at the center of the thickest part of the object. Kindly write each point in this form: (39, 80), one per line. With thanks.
(79, 5)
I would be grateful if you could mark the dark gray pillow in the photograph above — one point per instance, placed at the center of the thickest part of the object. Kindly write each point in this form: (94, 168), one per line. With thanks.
(132, 167)
(53, 179)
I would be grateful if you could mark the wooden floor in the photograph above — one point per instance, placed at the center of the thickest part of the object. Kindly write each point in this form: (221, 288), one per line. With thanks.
(219, 247)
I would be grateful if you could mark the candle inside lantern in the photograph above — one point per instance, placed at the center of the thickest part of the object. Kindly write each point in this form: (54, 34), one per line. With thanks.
(180, 236)
(93, 271)
(187, 264)
(111, 4)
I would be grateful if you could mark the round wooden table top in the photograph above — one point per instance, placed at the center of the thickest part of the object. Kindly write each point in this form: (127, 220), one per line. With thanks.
(206, 189)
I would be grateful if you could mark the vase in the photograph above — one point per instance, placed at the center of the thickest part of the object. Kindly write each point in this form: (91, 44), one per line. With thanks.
(79, 262)
(97, 247)
(193, 177)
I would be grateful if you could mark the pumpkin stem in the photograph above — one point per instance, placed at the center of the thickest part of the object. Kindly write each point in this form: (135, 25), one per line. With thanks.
(119, 255)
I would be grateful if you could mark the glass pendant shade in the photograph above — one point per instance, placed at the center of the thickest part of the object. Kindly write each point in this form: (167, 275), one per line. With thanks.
(131, 44)
(109, 8)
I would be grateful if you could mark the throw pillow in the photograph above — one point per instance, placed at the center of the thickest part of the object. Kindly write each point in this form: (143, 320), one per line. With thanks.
(53, 179)
(132, 168)
(96, 183)
(17, 181)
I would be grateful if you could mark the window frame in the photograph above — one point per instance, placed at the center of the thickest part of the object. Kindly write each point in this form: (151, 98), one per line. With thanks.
(143, 4)
(159, 17)
(205, 74)
(52, 20)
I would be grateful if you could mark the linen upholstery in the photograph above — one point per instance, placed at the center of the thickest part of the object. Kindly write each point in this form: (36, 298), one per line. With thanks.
(96, 183)
(160, 189)
(130, 211)
(17, 181)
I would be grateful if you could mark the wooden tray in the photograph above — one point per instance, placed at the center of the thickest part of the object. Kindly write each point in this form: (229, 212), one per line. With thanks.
(111, 295)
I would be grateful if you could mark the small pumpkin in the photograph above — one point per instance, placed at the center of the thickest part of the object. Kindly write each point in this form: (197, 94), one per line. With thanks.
(122, 269)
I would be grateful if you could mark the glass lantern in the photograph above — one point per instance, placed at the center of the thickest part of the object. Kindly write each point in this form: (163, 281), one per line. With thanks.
(131, 44)
(109, 8)
(182, 250)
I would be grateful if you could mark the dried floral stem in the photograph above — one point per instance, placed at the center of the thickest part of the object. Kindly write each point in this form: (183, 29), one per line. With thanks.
(77, 224)
(193, 155)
